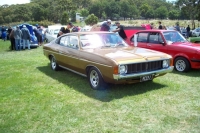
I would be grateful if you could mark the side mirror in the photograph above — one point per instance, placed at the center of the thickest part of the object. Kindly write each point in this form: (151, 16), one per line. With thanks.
(163, 43)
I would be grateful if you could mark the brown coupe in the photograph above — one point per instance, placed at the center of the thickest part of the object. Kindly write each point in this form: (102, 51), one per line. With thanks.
(104, 58)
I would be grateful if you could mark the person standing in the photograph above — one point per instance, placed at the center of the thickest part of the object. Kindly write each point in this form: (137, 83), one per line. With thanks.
(25, 37)
(74, 28)
(188, 31)
(106, 26)
(178, 28)
(3, 33)
(160, 26)
(120, 30)
(9, 31)
(65, 30)
(17, 36)
(38, 35)
(12, 40)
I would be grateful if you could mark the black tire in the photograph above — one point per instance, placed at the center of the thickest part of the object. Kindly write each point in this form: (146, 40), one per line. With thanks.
(181, 64)
(95, 79)
(54, 64)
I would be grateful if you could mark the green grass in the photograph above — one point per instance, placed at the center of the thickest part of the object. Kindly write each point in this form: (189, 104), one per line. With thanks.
(35, 99)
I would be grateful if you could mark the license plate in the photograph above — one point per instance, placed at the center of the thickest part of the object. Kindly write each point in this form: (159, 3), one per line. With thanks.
(146, 78)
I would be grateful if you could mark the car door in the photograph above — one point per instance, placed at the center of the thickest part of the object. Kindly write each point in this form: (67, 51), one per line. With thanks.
(70, 51)
(142, 38)
(156, 42)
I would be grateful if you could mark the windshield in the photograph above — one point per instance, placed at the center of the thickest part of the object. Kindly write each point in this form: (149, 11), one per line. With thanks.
(56, 31)
(173, 36)
(101, 40)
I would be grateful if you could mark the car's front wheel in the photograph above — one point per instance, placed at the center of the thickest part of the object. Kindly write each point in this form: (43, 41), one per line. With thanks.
(96, 80)
(182, 64)
(54, 64)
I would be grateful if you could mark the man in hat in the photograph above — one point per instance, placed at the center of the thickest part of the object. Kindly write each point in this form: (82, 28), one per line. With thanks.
(106, 26)
(25, 37)
(120, 30)
(65, 30)
(17, 36)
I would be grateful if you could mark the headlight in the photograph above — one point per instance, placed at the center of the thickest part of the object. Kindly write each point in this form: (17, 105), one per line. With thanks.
(165, 63)
(122, 69)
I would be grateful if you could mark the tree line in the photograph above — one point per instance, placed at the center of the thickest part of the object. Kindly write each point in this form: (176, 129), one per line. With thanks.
(61, 10)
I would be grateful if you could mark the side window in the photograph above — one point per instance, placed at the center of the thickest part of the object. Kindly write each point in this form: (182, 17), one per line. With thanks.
(142, 37)
(62, 41)
(155, 38)
(73, 42)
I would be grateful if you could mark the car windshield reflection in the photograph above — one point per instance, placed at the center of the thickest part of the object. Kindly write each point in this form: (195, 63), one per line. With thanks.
(173, 37)
(101, 40)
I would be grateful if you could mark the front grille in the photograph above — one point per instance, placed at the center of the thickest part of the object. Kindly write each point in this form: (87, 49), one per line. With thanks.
(144, 67)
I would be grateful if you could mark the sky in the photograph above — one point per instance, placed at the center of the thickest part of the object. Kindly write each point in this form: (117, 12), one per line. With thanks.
(9, 2)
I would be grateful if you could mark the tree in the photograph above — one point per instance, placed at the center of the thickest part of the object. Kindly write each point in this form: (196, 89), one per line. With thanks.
(125, 9)
(38, 13)
(144, 9)
(150, 13)
(1, 20)
(65, 18)
(73, 15)
(161, 12)
(174, 14)
(190, 8)
(7, 19)
(91, 19)
(104, 16)
(84, 12)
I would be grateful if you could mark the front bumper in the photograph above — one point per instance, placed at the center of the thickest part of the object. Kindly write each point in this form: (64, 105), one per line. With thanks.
(138, 75)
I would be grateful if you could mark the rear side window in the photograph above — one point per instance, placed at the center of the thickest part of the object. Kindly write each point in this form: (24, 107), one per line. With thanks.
(142, 37)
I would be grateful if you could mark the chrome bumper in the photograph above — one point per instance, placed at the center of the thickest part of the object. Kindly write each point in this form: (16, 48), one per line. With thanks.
(155, 73)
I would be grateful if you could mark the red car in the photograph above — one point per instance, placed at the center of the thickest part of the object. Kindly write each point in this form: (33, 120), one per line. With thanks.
(186, 55)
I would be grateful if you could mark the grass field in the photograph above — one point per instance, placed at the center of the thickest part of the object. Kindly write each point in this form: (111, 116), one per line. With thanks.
(35, 99)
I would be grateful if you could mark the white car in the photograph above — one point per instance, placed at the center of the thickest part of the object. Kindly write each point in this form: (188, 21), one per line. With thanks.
(196, 32)
(51, 34)
(85, 28)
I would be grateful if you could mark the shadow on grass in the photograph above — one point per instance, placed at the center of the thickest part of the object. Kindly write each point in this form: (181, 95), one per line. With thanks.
(81, 84)
(191, 73)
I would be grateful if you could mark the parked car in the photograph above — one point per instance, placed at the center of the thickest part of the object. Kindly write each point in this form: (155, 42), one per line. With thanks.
(85, 28)
(194, 39)
(104, 57)
(196, 32)
(184, 32)
(51, 34)
(186, 55)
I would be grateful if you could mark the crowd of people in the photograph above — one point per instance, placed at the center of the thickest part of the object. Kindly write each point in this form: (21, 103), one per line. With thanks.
(20, 38)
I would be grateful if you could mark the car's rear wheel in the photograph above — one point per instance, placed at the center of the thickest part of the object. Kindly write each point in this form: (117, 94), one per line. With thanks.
(182, 64)
(96, 80)
(54, 64)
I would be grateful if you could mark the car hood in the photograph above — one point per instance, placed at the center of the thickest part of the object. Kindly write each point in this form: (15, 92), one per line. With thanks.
(129, 54)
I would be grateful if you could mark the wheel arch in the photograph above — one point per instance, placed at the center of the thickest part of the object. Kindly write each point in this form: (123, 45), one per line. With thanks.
(88, 67)
(181, 55)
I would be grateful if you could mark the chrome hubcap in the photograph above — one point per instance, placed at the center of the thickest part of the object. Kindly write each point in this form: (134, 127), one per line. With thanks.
(94, 78)
(53, 63)
(180, 65)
